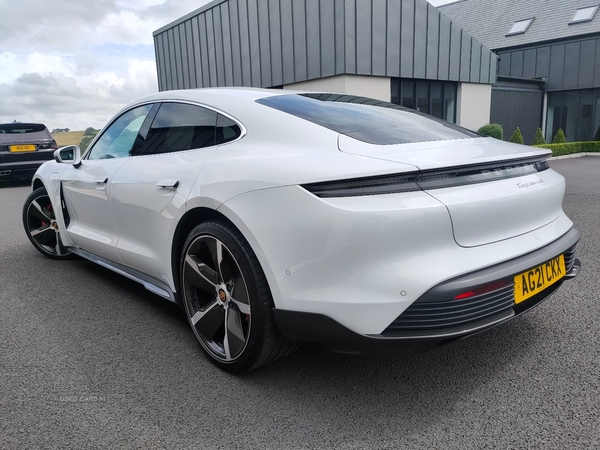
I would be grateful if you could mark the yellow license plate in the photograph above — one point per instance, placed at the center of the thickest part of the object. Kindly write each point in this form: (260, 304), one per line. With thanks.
(22, 148)
(535, 280)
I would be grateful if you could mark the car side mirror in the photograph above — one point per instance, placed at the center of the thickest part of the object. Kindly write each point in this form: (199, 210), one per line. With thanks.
(71, 154)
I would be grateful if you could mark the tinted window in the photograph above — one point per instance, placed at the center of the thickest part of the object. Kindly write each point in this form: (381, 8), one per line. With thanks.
(227, 130)
(366, 119)
(179, 127)
(430, 97)
(19, 128)
(118, 139)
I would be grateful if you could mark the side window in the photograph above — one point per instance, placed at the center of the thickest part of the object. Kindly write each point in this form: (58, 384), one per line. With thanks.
(179, 127)
(227, 130)
(117, 141)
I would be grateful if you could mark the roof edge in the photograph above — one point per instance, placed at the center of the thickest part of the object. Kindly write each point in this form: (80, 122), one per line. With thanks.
(539, 81)
(565, 39)
(189, 15)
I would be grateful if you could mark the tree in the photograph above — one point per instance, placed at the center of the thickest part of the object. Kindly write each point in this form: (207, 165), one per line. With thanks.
(538, 139)
(83, 145)
(517, 137)
(493, 130)
(559, 137)
(89, 132)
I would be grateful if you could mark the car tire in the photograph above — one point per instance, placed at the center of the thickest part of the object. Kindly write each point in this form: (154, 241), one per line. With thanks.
(227, 299)
(40, 225)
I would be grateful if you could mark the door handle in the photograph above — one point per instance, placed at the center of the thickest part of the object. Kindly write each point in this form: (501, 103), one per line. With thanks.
(101, 181)
(168, 184)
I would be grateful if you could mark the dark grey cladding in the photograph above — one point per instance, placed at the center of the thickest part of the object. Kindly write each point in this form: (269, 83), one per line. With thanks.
(266, 43)
(564, 65)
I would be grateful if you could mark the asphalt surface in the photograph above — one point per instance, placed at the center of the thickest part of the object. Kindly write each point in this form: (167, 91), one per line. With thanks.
(89, 359)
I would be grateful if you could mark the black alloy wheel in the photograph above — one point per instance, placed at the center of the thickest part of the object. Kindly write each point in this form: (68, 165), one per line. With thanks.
(41, 226)
(227, 300)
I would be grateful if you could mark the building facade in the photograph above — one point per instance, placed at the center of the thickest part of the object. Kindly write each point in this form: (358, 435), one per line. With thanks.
(403, 51)
(549, 63)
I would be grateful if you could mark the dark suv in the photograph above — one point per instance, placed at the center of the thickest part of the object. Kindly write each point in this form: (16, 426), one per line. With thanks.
(23, 148)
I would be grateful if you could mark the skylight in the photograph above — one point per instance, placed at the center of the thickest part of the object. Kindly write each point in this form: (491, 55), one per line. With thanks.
(584, 14)
(520, 27)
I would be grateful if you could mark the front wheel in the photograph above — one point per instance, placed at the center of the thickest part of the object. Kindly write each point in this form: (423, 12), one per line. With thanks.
(227, 299)
(41, 227)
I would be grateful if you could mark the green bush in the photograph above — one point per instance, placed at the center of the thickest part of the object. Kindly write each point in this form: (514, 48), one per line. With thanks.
(538, 139)
(559, 137)
(83, 145)
(517, 137)
(493, 130)
(568, 148)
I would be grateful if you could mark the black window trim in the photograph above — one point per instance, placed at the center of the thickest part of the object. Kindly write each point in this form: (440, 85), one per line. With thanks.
(152, 114)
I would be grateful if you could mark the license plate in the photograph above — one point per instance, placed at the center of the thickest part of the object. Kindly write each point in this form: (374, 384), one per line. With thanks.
(535, 280)
(22, 148)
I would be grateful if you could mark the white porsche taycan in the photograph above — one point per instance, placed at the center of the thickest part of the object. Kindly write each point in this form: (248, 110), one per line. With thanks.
(275, 217)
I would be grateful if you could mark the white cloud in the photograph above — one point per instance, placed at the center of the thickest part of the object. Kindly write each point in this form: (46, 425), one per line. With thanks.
(79, 62)
(63, 101)
(18, 64)
(127, 28)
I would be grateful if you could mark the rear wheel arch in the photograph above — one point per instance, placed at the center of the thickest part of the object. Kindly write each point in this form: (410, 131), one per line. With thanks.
(264, 342)
(187, 223)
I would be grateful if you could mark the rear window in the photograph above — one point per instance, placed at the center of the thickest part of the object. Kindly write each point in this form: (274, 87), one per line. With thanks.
(21, 128)
(366, 119)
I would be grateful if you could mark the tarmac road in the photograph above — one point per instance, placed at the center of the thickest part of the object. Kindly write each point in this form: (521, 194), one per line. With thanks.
(89, 359)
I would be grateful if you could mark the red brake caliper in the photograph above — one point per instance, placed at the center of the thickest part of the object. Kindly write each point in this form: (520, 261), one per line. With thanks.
(48, 208)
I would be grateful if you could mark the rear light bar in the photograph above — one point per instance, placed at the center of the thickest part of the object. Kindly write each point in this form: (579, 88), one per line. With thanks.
(479, 174)
(48, 145)
(426, 180)
(386, 184)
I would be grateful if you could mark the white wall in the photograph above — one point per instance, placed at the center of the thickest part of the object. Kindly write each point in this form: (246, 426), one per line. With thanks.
(473, 105)
(367, 86)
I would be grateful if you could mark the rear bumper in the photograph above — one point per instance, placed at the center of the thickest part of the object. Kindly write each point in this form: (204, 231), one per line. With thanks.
(22, 166)
(400, 338)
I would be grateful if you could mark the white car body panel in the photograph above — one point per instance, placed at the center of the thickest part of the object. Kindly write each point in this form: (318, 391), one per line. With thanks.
(484, 212)
(441, 154)
(86, 191)
(358, 260)
(491, 212)
(351, 258)
(147, 213)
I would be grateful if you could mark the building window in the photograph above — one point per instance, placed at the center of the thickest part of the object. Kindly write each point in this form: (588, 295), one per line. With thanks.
(430, 97)
(520, 27)
(576, 112)
(584, 14)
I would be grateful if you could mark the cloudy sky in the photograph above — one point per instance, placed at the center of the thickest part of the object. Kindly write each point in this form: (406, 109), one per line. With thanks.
(74, 63)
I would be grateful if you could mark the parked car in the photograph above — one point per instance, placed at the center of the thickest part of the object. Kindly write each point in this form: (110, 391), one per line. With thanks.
(276, 217)
(23, 148)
